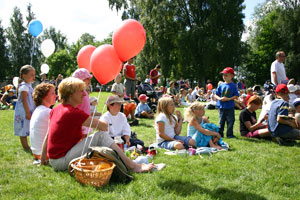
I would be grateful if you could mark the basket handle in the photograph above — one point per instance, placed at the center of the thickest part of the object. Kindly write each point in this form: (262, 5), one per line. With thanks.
(71, 170)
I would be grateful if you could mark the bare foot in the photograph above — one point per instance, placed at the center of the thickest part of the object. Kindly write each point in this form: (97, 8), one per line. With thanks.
(140, 168)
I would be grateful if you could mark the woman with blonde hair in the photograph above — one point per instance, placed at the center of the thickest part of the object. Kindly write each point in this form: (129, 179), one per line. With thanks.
(64, 140)
(168, 126)
(194, 114)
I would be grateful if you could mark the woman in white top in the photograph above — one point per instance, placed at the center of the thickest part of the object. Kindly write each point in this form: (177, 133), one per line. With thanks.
(43, 96)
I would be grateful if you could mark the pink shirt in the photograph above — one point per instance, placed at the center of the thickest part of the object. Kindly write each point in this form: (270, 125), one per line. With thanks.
(85, 107)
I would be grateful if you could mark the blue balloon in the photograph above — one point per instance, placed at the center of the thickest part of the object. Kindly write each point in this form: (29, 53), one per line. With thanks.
(35, 27)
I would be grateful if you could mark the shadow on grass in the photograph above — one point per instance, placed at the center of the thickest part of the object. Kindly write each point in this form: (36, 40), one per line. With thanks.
(145, 125)
(185, 189)
(288, 143)
(262, 140)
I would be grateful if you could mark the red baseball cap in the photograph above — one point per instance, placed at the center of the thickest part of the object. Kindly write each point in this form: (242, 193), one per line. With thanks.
(228, 70)
(143, 97)
(282, 88)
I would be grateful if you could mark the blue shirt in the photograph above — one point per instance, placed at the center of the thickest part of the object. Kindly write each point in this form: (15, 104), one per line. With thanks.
(239, 85)
(278, 107)
(142, 107)
(226, 90)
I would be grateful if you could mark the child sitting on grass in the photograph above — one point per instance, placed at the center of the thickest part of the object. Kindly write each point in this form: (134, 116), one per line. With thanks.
(117, 121)
(143, 110)
(190, 96)
(168, 126)
(183, 98)
(194, 114)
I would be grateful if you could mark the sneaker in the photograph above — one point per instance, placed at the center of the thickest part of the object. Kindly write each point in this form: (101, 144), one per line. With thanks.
(36, 162)
(134, 123)
(133, 135)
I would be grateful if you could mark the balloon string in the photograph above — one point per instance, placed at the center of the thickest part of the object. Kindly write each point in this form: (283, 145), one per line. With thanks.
(94, 111)
(32, 50)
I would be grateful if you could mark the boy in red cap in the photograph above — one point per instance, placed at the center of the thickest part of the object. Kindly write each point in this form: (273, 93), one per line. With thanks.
(279, 127)
(226, 93)
(143, 110)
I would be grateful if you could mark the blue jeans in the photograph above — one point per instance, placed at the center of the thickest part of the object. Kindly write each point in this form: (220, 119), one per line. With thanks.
(170, 144)
(226, 115)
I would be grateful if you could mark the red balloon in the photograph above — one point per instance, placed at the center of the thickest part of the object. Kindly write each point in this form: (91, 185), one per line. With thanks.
(105, 63)
(129, 39)
(84, 56)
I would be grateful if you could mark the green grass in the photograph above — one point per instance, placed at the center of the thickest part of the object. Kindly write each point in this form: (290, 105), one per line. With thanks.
(253, 169)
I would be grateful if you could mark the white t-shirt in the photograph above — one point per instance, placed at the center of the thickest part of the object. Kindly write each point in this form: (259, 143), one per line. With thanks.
(38, 128)
(194, 93)
(280, 71)
(117, 125)
(292, 98)
(190, 97)
(169, 128)
(118, 88)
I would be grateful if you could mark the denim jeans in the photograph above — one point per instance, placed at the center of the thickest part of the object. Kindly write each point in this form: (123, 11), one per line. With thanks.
(226, 115)
(170, 144)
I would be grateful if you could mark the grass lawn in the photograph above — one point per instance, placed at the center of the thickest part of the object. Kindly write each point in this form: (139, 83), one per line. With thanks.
(253, 169)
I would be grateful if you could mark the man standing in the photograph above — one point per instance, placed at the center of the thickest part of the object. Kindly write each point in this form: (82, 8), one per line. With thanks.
(129, 74)
(154, 75)
(278, 74)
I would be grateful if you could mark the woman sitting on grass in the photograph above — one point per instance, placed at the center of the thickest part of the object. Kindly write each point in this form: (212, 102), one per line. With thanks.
(249, 127)
(194, 114)
(64, 140)
(43, 96)
(168, 126)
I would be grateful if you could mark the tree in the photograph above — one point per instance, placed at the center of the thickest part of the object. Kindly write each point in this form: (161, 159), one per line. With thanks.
(4, 61)
(61, 62)
(59, 39)
(192, 39)
(17, 44)
(276, 28)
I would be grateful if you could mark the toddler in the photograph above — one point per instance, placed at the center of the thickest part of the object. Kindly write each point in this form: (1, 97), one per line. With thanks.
(24, 106)
(226, 93)
(194, 114)
(143, 110)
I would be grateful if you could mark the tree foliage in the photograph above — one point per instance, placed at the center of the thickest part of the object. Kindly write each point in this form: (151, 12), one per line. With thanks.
(276, 28)
(192, 39)
(4, 61)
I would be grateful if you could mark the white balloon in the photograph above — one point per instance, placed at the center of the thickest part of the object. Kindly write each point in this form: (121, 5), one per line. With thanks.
(47, 47)
(45, 68)
(16, 81)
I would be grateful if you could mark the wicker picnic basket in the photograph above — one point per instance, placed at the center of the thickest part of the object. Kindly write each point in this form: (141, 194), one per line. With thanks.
(94, 171)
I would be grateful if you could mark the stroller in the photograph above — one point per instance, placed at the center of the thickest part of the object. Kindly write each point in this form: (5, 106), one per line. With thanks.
(147, 89)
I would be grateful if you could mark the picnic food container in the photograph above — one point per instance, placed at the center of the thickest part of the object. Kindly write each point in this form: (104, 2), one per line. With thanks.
(93, 171)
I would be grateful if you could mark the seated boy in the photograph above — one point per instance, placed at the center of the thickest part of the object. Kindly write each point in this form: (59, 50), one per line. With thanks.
(143, 110)
(117, 121)
(8, 99)
(279, 127)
